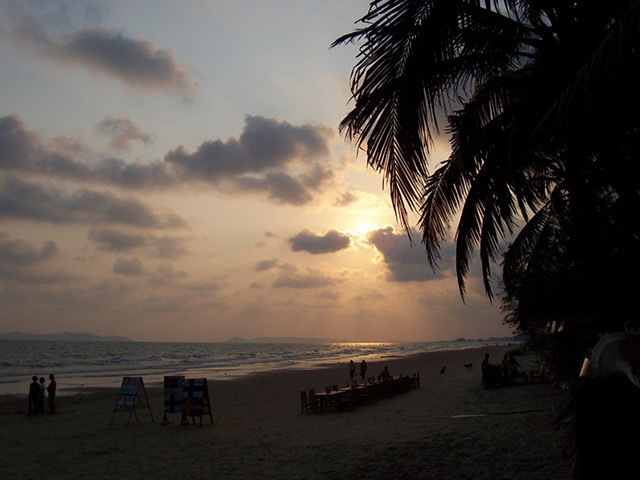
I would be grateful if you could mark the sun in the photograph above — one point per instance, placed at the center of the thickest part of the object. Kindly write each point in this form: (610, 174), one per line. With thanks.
(366, 227)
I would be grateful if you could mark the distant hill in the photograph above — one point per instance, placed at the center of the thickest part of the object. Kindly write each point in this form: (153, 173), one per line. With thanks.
(64, 337)
(282, 340)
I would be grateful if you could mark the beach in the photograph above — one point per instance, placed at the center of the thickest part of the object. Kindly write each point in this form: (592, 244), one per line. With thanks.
(451, 427)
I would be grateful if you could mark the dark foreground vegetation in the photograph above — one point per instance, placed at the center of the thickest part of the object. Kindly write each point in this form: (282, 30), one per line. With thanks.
(540, 103)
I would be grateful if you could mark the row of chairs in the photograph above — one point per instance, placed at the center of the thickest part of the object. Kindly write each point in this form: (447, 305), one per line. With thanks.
(356, 395)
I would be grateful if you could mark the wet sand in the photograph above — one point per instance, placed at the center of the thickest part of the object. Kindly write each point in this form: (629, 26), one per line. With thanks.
(451, 427)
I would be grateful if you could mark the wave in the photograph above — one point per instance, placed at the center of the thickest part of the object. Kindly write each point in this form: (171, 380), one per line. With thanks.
(82, 363)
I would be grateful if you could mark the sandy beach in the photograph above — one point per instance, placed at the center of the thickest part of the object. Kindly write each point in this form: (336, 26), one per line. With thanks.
(450, 428)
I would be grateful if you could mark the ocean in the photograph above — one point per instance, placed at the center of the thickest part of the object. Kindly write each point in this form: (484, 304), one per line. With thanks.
(79, 365)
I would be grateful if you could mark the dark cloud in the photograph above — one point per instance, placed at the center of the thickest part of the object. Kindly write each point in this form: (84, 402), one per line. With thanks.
(404, 263)
(122, 132)
(237, 166)
(168, 247)
(137, 63)
(127, 266)
(344, 199)
(263, 145)
(265, 265)
(32, 201)
(33, 276)
(316, 176)
(22, 150)
(21, 261)
(307, 241)
(22, 253)
(115, 240)
(19, 148)
(260, 160)
(279, 187)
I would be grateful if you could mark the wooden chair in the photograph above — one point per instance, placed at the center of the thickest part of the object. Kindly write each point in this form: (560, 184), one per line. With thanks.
(314, 406)
(348, 400)
(308, 403)
(366, 395)
(537, 374)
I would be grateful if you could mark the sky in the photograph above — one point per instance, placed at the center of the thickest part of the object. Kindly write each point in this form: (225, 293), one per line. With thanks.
(173, 171)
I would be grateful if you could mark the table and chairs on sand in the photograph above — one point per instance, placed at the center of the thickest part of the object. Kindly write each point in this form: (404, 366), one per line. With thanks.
(352, 396)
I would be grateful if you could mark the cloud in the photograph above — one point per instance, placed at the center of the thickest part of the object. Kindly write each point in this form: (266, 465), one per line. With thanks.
(332, 241)
(114, 240)
(122, 132)
(311, 279)
(237, 166)
(131, 266)
(22, 253)
(166, 275)
(263, 145)
(22, 150)
(345, 199)
(138, 63)
(261, 159)
(404, 263)
(168, 247)
(32, 201)
(279, 186)
(265, 265)
(23, 262)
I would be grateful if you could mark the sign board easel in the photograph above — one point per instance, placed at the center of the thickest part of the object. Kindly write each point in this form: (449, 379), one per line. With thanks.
(173, 396)
(130, 396)
(196, 400)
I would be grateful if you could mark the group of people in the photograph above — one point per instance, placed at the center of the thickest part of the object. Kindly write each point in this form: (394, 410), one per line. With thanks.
(510, 368)
(384, 375)
(352, 370)
(506, 373)
(37, 393)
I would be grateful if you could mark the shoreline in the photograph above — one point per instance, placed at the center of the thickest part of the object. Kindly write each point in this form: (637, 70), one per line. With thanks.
(451, 427)
(71, 383)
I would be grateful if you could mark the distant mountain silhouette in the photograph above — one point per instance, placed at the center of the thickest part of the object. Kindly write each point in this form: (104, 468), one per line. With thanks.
(64, 337)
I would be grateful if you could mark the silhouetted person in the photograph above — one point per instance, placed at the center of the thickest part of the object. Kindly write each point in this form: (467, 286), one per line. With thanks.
(363, 369)
(52, 393)
(352, 369)
(514, 367)
(484, 366)
(43, 389)
(34, 392)
(385, 374)
(506, 369)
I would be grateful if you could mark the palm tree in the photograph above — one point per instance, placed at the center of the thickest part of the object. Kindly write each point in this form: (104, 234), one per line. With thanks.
(542, 110)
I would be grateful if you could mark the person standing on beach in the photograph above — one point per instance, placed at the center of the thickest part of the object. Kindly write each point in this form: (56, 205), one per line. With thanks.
(352, 370)
(34, 392)
(505, 369)
(484, 367)
(363, 369)
(385, 375)
(41, 396)
(52, 394)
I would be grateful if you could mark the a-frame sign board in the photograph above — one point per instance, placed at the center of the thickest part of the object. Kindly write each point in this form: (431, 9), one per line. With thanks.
(173, 396)
(130, 396)
(197, 402)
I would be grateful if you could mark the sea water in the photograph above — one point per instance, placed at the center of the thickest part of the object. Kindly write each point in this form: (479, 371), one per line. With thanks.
(103, 364)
